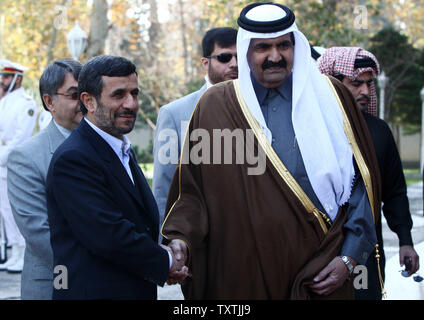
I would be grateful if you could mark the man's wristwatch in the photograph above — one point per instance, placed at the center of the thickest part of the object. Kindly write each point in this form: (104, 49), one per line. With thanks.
(348, 264)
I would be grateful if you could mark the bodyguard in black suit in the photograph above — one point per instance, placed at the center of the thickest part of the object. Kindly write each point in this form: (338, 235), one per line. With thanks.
(356, 68)
(102, 215)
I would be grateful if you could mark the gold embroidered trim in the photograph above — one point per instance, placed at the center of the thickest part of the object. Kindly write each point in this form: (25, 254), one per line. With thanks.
(365, 175)
(356, 151)
(277, 163)
(380, 276)
(179, 179)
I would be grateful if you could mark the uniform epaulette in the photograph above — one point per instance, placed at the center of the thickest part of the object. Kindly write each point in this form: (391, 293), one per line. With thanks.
(26, 96)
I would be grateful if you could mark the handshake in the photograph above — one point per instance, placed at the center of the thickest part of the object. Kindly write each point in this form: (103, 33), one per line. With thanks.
(178, 271)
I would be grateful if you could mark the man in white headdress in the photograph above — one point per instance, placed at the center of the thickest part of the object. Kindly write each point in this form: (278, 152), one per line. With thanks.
(17, 121)
(296, 229)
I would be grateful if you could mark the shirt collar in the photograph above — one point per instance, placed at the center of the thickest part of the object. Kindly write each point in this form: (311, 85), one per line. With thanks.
(121, 147)
(208, 82)
(16, 92)
(65, 132)
(285, 90)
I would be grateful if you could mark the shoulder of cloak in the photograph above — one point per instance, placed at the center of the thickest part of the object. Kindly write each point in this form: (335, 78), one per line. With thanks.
(362, 136)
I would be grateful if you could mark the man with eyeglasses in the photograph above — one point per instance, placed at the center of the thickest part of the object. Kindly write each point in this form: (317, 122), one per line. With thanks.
(220, 63)
(17, 122)
(27, 171)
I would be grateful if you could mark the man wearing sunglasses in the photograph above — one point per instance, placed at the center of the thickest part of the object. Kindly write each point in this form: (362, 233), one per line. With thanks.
(17, 122)
(27, 171)
(220, 63)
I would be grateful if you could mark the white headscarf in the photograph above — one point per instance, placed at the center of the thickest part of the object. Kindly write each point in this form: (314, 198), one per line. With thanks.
(317, 119)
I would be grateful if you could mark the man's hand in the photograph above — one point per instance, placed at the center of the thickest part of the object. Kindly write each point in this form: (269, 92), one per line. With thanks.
(178, 271)
(409, 252)
(179, 249)
(331, 277)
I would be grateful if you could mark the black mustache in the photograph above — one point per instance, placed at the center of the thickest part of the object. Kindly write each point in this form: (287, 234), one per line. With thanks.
(270, 64)
(126, 113)
(364, 97)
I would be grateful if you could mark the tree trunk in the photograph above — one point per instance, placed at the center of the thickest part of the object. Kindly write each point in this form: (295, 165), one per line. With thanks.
(99, 28)
(52, 44)
(183, 33)
(154, 33)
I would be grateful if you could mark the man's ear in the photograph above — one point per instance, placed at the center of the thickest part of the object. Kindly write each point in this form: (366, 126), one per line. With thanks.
(48, 101)
(19, 81)
(89, 102)
(205, 63)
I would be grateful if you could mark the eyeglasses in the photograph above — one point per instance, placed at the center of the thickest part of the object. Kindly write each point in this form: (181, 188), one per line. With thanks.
(73, 96)
(223, 57)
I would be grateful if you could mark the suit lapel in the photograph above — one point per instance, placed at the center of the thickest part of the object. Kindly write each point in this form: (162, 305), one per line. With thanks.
(144, 189)
(56, 138)
(110, 158)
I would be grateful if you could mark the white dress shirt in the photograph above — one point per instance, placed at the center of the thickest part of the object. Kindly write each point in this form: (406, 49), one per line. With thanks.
(121, 147)
(65, 132)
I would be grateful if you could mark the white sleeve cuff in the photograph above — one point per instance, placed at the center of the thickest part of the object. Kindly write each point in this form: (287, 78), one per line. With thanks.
(170, 259)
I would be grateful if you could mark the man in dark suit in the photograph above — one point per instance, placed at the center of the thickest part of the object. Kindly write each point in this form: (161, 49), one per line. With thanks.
(102, 215)
(357, 68)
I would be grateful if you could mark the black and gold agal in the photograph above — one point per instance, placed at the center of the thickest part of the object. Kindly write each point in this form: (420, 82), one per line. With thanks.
(282, 23)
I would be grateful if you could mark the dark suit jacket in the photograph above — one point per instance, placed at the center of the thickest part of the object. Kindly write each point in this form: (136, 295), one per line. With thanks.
(104, 229)
(394, 192)
(394, 197)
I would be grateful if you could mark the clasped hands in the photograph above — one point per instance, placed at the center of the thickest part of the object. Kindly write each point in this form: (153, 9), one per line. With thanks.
(328, 280)
(178, 271)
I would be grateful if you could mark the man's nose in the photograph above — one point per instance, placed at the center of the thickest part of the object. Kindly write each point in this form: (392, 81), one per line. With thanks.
(364, 89)
(131, 102)
(274, 55)
(233, 62)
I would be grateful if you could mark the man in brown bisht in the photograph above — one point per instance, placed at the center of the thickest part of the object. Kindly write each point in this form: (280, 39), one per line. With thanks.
(283, 210)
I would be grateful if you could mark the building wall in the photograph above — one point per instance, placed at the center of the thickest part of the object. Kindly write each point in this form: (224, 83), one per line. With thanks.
(141, 137)
(409, 150)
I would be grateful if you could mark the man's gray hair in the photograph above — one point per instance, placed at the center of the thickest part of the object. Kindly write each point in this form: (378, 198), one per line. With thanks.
(53, 76)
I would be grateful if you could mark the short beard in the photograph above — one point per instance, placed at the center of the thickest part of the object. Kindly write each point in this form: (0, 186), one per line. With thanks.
(214, 77)
(363, 106)
(5, 88)
(107, 124)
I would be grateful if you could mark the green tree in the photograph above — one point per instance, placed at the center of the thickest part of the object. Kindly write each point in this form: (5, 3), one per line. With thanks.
(403, 64)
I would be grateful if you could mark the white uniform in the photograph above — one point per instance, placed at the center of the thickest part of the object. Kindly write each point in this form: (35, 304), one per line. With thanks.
(17, 121)
(44, 119)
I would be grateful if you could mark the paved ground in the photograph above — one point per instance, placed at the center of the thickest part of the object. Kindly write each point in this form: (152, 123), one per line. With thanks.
(397, 286)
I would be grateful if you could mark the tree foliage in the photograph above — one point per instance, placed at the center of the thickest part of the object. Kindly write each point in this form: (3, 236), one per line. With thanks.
(403, 64)
(163, 38)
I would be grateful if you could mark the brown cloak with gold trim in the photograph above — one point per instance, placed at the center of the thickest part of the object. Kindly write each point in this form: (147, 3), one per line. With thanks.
(250, 236)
